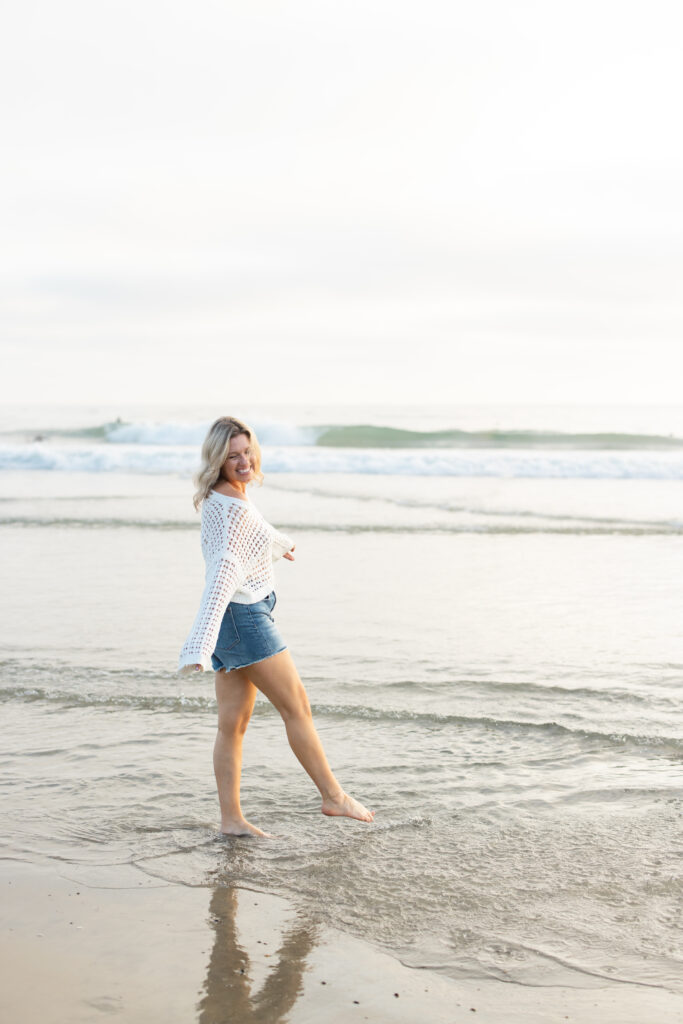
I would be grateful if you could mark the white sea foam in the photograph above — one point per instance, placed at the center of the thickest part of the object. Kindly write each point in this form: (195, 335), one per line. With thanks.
(168, 458)
(99, 458)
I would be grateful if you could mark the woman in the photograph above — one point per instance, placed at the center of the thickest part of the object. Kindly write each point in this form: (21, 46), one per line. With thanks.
(234, 631)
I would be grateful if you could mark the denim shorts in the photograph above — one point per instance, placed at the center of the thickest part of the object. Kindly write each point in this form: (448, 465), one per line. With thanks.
(248, 634)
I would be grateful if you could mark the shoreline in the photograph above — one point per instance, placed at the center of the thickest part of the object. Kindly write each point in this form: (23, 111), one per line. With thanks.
(81, 942)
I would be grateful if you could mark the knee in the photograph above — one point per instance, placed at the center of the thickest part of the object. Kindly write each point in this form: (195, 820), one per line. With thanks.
(296, 707)
(232, 725)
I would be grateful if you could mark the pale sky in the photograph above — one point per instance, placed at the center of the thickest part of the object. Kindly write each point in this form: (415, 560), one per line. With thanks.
(316, 202)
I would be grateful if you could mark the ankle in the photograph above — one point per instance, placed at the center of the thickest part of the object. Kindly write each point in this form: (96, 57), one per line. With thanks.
(333, 795)
(233, 818)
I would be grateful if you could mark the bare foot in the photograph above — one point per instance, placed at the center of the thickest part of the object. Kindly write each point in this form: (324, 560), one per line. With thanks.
(243, 828)
(345, 806)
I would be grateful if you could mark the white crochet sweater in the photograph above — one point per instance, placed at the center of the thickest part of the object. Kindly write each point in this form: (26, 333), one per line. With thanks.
(239, 549)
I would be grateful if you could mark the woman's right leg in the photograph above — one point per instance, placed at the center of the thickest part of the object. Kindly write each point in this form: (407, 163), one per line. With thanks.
(235, 695)
(278, 679)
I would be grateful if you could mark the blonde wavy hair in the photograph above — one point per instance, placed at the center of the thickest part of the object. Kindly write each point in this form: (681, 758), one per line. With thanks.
(215, 452)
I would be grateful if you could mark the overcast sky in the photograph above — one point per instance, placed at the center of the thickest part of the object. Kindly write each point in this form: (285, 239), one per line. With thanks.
(313, 202)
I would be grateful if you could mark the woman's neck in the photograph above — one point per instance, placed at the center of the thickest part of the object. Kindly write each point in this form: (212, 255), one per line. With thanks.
(230, 490)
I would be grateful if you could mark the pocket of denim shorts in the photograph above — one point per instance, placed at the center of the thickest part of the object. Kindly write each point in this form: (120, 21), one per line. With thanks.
(228, 635)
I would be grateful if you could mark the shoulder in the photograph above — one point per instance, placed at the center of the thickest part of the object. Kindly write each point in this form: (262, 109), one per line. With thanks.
(232, 512)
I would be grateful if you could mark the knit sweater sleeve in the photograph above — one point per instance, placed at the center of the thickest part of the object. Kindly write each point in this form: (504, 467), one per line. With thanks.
(281, 543)
(230, 545)
(223, 579)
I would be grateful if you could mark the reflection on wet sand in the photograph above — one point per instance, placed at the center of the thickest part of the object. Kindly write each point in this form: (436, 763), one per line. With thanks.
(228, 995)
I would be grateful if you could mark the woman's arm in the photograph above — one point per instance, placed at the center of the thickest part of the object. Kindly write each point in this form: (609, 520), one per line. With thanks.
(282, 545)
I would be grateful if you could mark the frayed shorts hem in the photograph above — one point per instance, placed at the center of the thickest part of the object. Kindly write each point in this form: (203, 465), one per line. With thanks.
(234, 668)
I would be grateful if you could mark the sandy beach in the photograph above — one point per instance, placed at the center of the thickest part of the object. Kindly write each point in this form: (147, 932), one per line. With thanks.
(81, 945)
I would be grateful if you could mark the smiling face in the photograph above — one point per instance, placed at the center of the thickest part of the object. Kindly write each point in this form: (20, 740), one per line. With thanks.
(238, 468)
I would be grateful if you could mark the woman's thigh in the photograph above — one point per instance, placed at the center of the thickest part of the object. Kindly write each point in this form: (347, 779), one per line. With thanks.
(235, 694)
(279, 681)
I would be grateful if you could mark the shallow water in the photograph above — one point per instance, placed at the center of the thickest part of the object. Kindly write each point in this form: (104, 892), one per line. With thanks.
(494, 665)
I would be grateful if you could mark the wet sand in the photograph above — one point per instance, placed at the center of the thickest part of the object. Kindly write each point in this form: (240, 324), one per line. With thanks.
(80, 944)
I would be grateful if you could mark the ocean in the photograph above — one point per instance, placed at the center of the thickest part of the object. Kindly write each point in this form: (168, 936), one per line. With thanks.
(485, 609)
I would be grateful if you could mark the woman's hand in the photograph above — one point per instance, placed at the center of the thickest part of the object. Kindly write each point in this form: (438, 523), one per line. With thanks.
(288, 554)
